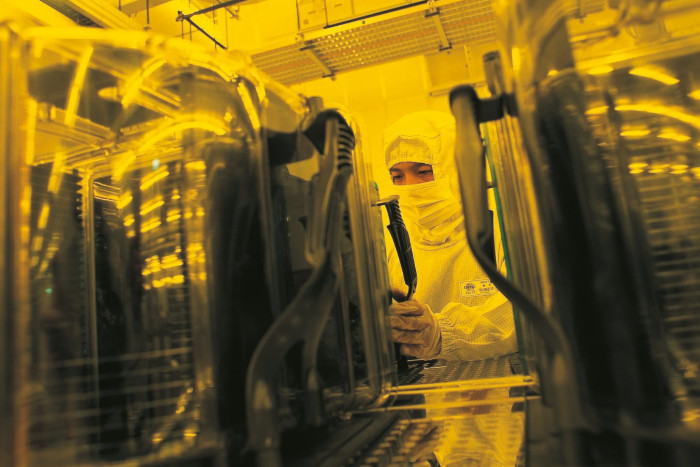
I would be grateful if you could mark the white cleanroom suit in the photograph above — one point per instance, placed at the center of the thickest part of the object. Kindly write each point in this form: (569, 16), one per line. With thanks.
(471, 319)
(475, 320)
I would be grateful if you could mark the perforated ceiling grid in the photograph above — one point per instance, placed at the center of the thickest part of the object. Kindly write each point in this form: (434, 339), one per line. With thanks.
(414, 32)
(370, 44)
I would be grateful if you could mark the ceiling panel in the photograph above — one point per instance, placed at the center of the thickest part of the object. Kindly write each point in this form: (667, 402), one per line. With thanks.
(400, 34)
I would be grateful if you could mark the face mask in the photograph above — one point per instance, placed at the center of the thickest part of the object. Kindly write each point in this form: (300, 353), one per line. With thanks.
(432, 208)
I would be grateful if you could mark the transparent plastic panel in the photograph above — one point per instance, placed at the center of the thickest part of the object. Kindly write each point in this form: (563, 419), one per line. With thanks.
(127, 139)
(131, 157)
(364, 216)
(517, 215)
(163, 204)
(644, 116)
(643, 106)
(608, 114)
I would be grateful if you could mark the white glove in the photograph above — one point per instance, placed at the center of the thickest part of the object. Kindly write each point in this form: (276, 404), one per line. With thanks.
(414, 326)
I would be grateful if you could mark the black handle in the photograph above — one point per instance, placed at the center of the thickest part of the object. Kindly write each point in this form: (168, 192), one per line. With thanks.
(469, 111)
(402, 242)
(304, 319)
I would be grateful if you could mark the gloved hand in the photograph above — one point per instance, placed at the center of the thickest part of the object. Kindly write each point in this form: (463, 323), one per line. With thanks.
(414, 326)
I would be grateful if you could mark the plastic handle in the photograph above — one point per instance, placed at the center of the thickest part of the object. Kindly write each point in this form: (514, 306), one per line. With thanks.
(469, 151)
(469, 111)
(402, 243)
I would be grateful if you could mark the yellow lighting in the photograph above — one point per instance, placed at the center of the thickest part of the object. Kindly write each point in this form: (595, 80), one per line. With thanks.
(77, 87)
(153, 263)
(552, 72)
(195, 253)
(192, 122)
(169, 280)
(679, 169)
(654, 73)
(150, 179)
(248, 104)
(171, 261)
(597, 110)
(674, 135)
(662, 110)
(695, 94)
(110, 93)
(196, 165)
(124, 200)
(150, 206)
(176, 194)
(44, 266)
(634, 133)
(37, 243)
(59, 162)
(173, 216)
(148, 226)
(26, 204)
(32, 108)
(43, 217)
(204, 61)
(658, 168)
(128, 221)
(122, 163)
(692, 414)
(637, 167)
(515, 54)
(600, 70)
(133, 84)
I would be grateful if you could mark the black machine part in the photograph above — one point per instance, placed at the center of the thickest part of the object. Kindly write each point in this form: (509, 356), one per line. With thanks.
(304, 318)
(560, 389)
(402, 243)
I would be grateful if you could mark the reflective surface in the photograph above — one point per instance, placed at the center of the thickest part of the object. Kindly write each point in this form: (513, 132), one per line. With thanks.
(606, 109)
(644, 110)
(132, 153)
(160, 199)
(476, 409)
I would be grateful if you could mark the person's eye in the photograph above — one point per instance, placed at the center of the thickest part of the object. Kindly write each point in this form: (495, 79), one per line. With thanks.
(396, 178)
(425, 172)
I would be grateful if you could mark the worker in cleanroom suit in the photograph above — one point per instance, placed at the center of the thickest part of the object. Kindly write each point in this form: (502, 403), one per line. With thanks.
(456, 313)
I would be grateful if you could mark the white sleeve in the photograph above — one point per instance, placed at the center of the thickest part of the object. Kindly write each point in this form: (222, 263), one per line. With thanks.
(477, 332)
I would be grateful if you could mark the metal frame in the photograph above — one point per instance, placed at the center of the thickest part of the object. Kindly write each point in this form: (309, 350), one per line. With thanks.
(420, 29)
(434, 13)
